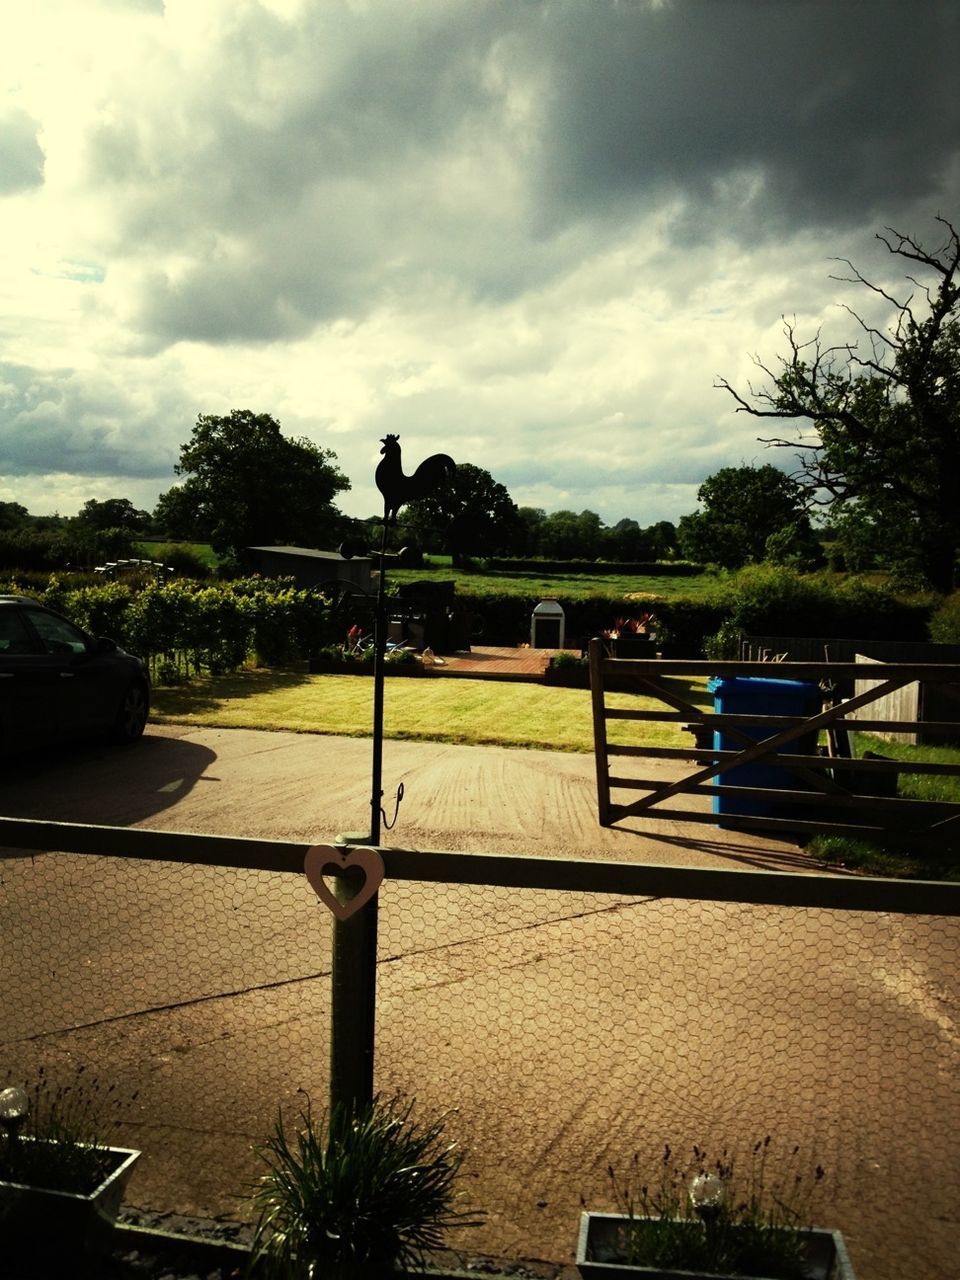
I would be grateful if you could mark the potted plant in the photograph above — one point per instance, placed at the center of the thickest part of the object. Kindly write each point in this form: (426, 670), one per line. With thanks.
(360, 1195)
(60, 1183)
(568, 670)
(632, 637)
(702, 1221)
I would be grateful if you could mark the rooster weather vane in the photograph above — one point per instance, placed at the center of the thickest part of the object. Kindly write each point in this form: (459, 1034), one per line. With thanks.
(397, 489)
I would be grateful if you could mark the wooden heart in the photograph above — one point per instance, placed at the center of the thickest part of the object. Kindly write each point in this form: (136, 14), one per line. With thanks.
(335, 860)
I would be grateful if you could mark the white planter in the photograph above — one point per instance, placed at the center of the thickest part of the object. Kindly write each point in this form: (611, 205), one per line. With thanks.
(597, 1248)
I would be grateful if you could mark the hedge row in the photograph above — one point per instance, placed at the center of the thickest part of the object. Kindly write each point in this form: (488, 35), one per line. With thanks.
(763, 599)
(189, 626)
(186, 627)
(633, 568)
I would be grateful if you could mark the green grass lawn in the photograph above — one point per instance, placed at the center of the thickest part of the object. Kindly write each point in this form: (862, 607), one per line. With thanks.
(429, 709)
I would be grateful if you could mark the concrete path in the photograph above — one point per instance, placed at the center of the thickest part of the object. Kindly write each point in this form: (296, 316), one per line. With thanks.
(569, 1029)
(311, 787)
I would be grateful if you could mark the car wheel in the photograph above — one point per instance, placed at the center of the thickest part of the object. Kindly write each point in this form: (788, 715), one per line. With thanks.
(132, 716)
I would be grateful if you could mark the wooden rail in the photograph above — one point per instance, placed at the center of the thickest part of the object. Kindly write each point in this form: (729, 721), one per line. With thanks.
(580, 875)
(786, 781)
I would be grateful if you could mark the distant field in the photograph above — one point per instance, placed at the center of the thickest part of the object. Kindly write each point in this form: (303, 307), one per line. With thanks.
(151, 548)
(574, 585)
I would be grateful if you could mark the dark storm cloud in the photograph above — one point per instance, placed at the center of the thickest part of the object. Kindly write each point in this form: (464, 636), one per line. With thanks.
(65, 421)
(348, 158)
(763, 117)
(21, 156)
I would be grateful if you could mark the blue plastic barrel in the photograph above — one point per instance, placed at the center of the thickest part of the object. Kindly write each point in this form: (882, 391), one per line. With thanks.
(757, 695)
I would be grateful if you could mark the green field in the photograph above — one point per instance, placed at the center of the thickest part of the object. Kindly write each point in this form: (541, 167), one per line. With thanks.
(152, 550)
(427, 709)
(572, 585)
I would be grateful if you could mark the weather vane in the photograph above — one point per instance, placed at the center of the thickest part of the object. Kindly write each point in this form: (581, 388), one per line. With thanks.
(353, 1007)
(397, 489)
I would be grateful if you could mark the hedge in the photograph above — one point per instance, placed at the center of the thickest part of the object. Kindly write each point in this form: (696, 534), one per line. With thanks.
(186, 627)
(763, 599)
(635, 568)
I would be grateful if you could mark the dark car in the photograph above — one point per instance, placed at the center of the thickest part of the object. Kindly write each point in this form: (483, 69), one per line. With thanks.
(57, 682)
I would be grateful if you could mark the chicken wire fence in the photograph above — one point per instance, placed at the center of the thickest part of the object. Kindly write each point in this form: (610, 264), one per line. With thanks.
(563, 1029)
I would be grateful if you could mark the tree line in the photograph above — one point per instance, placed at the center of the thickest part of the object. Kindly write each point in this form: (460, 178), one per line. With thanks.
(876, 477)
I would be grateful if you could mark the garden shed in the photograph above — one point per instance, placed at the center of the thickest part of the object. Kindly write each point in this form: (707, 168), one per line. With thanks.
(309, 567)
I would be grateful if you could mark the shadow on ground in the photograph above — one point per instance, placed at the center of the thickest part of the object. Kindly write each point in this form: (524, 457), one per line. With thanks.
(209, 693)
(104, 783)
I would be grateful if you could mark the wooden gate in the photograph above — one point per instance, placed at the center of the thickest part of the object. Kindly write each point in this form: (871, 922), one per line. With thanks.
(794, 772)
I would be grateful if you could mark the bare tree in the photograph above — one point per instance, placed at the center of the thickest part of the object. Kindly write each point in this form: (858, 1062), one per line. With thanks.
(882, 413)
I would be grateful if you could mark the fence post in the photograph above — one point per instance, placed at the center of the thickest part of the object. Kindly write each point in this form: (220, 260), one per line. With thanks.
(353, 999)
(597, 653)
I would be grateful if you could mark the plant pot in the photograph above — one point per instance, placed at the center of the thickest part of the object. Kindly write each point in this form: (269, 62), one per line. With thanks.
(567, 677)
(36, 1220)
(633, 647)
(600, 1244)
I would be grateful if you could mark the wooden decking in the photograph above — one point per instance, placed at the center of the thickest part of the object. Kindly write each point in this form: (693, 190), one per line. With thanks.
(488, 662)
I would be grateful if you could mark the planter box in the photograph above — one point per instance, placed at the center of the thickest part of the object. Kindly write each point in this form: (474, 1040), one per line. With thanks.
(185, 1254)
(597, 1249)
(633, 647)
(35, 1220)
(567, 677)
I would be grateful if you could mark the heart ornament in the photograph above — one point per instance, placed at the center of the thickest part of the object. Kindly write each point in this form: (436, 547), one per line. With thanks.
(337, 860)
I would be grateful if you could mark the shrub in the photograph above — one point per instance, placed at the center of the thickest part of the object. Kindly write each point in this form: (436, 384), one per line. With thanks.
(775, 600)
(183, 560)
(103, 610)
(945, 621)
(564, 661)
(358, 1196)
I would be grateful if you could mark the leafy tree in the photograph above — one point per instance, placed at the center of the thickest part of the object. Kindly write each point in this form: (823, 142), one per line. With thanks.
(470, 514)
(627, 541)
(113, 513)
(567, 535)
(177, 515)
(742, 508)
(885, 411)
(13, 515)
(248, 484)
(663, 539)
(532, 519)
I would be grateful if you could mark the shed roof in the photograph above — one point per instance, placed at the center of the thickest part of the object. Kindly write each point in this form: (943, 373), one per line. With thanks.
(309, 553)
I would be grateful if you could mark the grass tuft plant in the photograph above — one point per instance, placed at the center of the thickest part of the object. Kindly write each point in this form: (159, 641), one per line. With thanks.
(65, 1143)
(705, 1216)
(356, 1195)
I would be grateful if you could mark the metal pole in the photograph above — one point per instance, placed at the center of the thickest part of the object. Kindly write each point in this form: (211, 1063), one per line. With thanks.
(353, 1003)
(379, 657)
(354, 985)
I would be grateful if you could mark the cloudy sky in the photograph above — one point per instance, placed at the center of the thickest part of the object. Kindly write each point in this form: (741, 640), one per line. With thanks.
(530, 233)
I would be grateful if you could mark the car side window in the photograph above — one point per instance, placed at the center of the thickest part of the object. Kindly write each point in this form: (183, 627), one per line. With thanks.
(14, 636)
(58, 635)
